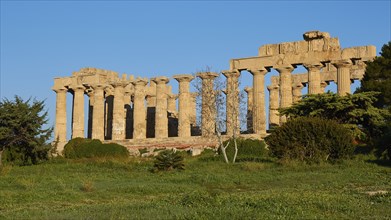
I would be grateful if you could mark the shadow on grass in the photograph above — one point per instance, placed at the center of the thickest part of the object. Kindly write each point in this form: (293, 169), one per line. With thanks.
(255, 159)
(384, 163)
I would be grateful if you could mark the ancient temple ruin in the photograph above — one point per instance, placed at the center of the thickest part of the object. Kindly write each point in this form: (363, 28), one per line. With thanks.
(143, 112)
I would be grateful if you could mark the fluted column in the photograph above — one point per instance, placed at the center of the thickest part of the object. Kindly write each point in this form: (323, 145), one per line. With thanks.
(208, 112)
(274, 119)
(60, 129)
(259, 113)
(285, 87)
(232, 102)
(249, 91)
(296, 91)
(343, 76)
(98, 115)
(184, 111)
(161, 119)
(313, 77)
(193, 108)
(118, 132)
(78, 111)
(171, 103)
(139, 112)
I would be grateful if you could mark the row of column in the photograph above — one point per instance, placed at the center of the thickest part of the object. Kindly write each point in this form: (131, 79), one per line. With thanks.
(97, 100)
(283, 93)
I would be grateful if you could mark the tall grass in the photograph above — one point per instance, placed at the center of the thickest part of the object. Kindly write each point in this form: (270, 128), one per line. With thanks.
(207, 189)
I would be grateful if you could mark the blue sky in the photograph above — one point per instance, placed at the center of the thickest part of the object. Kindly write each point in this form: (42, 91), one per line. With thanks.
(41, 40)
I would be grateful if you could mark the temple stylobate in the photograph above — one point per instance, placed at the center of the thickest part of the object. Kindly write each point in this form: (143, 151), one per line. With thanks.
(144, 112)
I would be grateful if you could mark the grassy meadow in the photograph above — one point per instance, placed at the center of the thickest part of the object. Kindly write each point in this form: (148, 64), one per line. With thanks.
(207, 189)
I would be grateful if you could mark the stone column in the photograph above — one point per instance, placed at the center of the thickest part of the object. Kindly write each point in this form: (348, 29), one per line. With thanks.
(171, 103)
(323, 85)
(285, 87)
(313, 77)
(193, 108)
(161, 119)
(98, 116)
(139, 120)
(259, 113)
(343, 76)
(78, 111)
(90, 94)
(249, 116)
(184, 111)
(274, 119)
(60, 129)
(232, 102)
(118, 111)
(296, 91)
(208, 112)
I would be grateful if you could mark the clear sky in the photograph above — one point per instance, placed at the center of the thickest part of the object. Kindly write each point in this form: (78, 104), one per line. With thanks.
(41, 40)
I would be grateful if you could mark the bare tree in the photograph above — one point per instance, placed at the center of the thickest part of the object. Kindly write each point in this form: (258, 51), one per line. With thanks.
(220, 114)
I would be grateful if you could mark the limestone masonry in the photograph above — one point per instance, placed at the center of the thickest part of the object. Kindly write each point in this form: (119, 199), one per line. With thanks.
(140, 112)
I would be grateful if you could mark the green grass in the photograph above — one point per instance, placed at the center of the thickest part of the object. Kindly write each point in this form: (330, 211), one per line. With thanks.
(206, 189)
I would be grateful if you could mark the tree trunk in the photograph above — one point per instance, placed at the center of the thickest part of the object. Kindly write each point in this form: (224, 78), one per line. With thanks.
(222, 148)
(236, 149)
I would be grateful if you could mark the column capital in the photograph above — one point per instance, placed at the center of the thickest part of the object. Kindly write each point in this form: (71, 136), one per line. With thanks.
(183, 77)
(284, 68)
(77, 87)
(120, 83)
(324, 83)
(161, 80)
(231, 73)
(298, 85)
(342, 63)
(208, 75)
(259, 71)
(140, 81)
(172, 96)
(272, 87)
(313, 66)
(98, 86)
(248, 89)
(60, 89)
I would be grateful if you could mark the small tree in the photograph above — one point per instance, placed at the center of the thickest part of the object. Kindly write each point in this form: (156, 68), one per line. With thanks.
(22, 136)
(378, 77)
(218, 106)
(355, 111)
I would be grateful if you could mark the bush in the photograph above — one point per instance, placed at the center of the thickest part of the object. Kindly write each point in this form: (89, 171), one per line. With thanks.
(311, 140)
(25, 156)
(87, 148)
(383, 149)
(168, 160)
(248, 149)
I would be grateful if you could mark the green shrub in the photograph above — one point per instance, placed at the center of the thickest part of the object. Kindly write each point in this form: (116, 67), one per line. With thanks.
(25, 156)
(248, 149)
(86, 148)
(168, 160)
(311, 140)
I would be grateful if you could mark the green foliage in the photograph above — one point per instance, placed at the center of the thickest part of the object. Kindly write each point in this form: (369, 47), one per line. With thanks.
(311, 140)
(383, 144)
(22, 136)
(248, 149)
(355, 111)
(378, 77)
(168, 160)
(87, 148)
